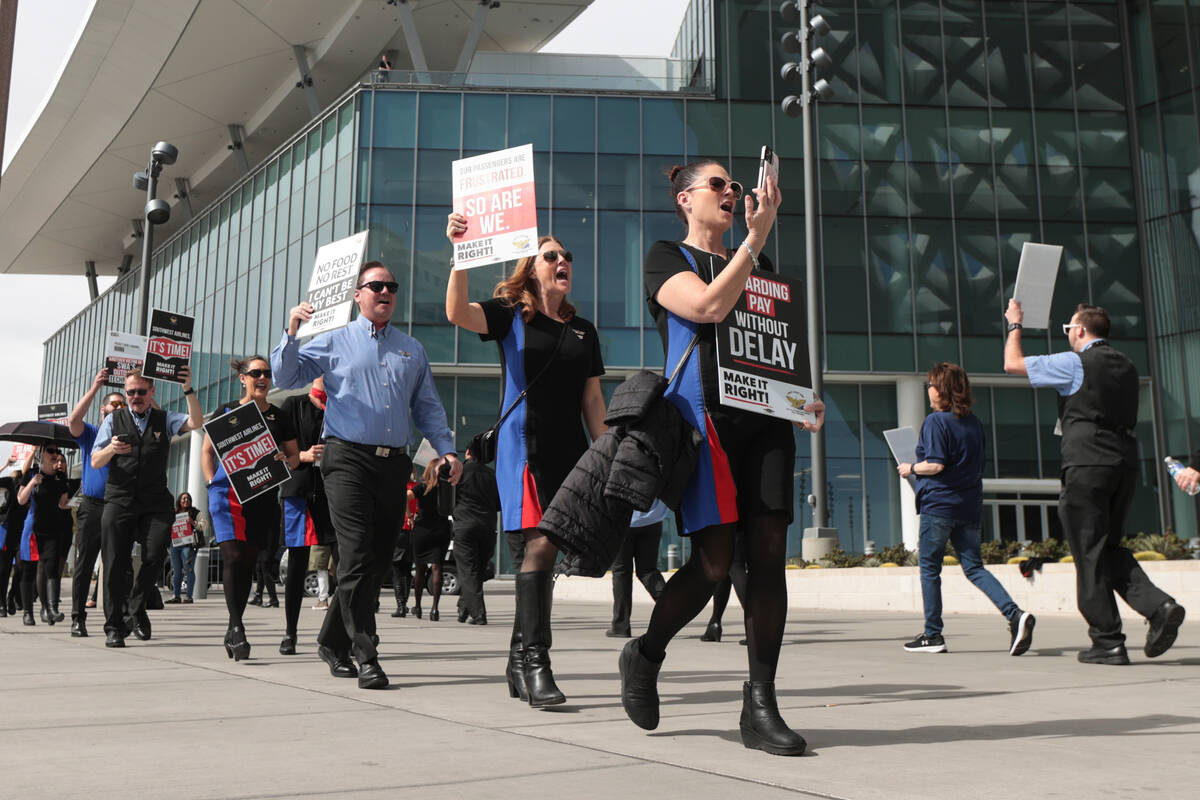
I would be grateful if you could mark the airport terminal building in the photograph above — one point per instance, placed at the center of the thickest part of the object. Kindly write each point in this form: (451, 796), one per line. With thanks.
(958, 130)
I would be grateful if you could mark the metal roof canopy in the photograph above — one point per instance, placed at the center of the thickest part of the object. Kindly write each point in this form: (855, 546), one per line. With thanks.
(192, 72)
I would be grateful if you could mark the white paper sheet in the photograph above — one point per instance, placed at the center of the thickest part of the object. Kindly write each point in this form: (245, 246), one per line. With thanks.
(1035, 282)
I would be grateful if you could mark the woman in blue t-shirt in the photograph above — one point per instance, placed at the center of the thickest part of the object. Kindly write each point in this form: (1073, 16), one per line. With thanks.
(949, 478)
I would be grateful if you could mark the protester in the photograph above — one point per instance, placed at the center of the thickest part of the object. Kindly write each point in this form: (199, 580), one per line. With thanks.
(949, 478)
(12, 522)
(366, 430)
(243, 528)
(638, 553)
(402, 553)
(135, 442)
(552, 365)
(44, 492)
(476, 502)
(430, 540)
(183, 558)
(305, 508)
(744, 477)
(1098, 411)
(91, 505)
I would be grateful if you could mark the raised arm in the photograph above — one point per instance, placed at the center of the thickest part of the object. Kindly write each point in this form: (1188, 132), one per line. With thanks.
(294, 366)
(195, 420)
(459, 310)
(75, 420)
(1014, 358)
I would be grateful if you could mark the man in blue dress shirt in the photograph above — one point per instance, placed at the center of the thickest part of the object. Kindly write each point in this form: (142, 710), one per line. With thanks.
(376, 376)
(1097, 389)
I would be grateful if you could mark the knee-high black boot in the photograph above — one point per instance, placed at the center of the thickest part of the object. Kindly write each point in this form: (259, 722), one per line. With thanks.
(514, 673)
(52, 589)
(27, 602)
(534, 592)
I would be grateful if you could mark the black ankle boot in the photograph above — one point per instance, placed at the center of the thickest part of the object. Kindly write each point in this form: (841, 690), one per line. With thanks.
(514, 673)
(535, 590)
(762, 727)
(639, 685)
(27, 604)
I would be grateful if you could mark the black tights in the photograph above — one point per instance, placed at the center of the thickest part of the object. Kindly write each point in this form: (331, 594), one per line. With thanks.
(419, 583)
(293, 587)
(6, 563)
(693, 584)
(237, 577)
(736, 581)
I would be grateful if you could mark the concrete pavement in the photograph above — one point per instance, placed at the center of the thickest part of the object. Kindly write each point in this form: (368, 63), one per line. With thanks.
(175, 717)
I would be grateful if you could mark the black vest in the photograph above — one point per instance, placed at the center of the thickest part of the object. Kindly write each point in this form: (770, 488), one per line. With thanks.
(1098, 420)
(139, 478)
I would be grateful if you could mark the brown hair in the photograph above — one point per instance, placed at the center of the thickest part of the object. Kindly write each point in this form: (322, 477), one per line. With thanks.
(137, 375)
(521, 287)
(239, 364)
(429, 477)
(951, 383)
(1094, 320)
(683, 177)
(367, 267)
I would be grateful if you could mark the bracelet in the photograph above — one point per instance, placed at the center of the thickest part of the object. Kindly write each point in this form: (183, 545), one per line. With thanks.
(750, 250)
(189, 390)
(1013, 326)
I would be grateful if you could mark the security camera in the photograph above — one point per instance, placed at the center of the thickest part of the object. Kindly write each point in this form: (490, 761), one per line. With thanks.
(140, 181)
(157, 211)
(165, 153)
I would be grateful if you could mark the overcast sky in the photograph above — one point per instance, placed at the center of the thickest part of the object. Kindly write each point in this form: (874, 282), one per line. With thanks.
(32, 308)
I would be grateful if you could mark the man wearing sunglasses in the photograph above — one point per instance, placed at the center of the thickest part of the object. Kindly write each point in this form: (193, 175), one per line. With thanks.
(376, 376)
(134, 441)
(91, 507)
(1097, 411)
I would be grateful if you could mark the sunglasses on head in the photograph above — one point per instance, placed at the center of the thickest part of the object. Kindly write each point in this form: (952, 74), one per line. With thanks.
(718, 184)
(378, 286)
(257, 373)
(136, 392)
(552, 256)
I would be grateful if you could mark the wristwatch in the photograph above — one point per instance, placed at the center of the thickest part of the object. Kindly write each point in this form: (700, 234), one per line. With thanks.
(1013, 326)
(189, 390)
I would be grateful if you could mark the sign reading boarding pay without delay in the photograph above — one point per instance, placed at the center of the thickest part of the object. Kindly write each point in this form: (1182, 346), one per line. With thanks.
(331, 287)
(762, 350)
(495, 193)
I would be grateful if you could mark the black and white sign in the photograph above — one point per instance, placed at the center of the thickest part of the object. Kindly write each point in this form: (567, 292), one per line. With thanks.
(331, 287)
(247, 451)
(169, 346)
(123, 353)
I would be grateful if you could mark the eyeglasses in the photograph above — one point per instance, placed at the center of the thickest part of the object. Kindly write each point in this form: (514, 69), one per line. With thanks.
(1068, 325)
(552, 256)
(136, 392)
(718, 184)
(378, 286)
(257, 373)
(53, 451)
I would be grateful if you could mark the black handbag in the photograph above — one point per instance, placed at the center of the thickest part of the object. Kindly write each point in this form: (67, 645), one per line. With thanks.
(483, 445)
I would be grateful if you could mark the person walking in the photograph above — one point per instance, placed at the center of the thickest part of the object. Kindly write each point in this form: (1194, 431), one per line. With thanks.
(183, 558)
(476, 503)
(638, 553)
(377, 378)
(430, 540)
(1097, 388)
(45, 493)
(12, 523)
(402, 553)
(949, 478)
(551, 363)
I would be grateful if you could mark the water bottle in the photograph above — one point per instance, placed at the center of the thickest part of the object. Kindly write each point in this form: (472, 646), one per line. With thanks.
(1175, 467)
(445, 491)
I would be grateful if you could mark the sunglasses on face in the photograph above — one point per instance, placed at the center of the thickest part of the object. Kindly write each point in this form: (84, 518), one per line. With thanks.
(257, 373)
(117, 403)
(137, 392)
(378, 286)
(1067, 327)
(51, 451)
(552, 256)
(718, 184)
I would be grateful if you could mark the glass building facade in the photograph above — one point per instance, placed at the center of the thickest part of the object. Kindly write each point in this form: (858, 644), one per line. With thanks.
(958, 131)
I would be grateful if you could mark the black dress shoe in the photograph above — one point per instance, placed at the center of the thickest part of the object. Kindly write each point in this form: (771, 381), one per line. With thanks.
(616, 632)
(288, 646)
(1115, 656)
(417, 612)
(114, 639)
(462, 615)
(272, 603)
(141, 630)
(401, 611)
(173, 601)
(78, 629)
(340, 665)
(480, 620)
(712, 633)
(3, 610)
(434, 616)
(187, 600)
(1164, 628)
(27, 618)
(371, 675)
(255, 601)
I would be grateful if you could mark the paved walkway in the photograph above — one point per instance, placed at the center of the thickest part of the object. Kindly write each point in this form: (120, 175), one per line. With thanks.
(173, 717)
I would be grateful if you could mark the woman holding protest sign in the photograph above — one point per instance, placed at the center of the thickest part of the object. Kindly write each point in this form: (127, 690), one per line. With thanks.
(551, 363)
(744, 476)
(183, 558)
(242, 529)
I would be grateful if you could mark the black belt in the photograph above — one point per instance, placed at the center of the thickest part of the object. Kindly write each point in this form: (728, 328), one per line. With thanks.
(371, 449)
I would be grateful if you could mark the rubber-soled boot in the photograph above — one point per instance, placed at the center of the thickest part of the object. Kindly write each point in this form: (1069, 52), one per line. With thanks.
(762, 727)
(655, 584)
(52, 590)
(639, 685)
(535, 590)
(27, 603)
(514, 673)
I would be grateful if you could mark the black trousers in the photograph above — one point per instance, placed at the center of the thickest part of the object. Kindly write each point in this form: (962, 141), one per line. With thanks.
(125, 596)
(474, 547)
(87, 547)
(367, 506)
(638, 553)
(1093, 506)
(402, 567)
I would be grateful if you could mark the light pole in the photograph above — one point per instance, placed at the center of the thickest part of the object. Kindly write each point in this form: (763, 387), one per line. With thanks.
(156, 212)
(801, 72)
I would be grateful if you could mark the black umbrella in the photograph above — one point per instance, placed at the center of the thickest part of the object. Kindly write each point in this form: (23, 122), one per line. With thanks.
(37, 433)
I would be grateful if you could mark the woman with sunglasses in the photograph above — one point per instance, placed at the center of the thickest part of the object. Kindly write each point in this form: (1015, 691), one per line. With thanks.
(744, 476)
(46, 494)
(242, 529)
(547, 349)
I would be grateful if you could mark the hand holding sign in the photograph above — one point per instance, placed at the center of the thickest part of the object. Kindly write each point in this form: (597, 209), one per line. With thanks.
(298, 315)
(169, 346)
(495, 204)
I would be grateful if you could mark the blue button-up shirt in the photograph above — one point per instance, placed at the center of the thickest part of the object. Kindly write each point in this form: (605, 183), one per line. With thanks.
(104, 434)
(374, 380)
(1062, 372)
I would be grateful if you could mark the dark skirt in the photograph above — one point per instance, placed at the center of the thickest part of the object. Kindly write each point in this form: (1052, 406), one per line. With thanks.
(429, 544)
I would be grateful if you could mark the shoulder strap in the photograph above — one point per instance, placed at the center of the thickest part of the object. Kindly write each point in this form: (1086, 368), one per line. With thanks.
(541, 372)
(696, 336)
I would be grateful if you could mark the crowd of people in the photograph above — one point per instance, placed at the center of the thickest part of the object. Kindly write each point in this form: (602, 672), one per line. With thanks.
(368, 384)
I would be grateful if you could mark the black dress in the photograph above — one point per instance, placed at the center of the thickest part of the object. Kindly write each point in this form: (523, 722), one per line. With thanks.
(431, 533)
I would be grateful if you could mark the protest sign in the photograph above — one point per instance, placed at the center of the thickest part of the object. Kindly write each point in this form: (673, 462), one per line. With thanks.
(762, 350)
(52, 412)
(123, 353)
(20, 451)
(1034, 289)
(169, 346)
(495, 192)
(247, 451)
(331, 287)
(181, 530)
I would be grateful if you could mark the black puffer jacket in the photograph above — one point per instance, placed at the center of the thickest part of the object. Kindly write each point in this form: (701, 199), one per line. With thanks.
(648, 452)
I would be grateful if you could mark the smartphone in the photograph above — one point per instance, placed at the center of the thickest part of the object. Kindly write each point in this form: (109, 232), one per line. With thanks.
(768, 164)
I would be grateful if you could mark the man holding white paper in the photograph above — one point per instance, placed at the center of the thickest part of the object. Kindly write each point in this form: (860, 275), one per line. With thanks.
(1097, 410)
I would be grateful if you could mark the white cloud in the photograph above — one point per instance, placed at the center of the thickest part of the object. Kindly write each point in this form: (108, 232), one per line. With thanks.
(622, 28)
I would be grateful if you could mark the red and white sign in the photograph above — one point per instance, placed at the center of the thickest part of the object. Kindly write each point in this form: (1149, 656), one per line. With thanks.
(169, 348)
(181, 530)
(495, 192)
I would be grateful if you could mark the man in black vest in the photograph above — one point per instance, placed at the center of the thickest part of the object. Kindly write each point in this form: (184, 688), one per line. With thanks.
(1098, 410)
(135, 443)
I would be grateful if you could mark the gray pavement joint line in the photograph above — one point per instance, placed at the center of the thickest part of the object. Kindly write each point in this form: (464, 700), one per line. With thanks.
(176, 720)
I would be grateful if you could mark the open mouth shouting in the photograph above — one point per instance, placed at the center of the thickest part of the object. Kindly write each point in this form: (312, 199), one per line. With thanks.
(728, 205)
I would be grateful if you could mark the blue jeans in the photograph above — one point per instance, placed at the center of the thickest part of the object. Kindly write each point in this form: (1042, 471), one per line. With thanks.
(181, 561)
(935, 532)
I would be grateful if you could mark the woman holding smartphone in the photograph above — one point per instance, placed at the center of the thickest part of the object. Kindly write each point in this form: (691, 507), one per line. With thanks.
(553, 354)
(744, 475)
(45, 493)
(242, 529)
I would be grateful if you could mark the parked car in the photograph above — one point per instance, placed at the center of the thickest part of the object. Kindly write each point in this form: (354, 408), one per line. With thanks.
(449, 575)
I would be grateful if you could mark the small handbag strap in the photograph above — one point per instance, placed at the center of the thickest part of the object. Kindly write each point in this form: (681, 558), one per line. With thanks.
(696, 336)
(541, 372)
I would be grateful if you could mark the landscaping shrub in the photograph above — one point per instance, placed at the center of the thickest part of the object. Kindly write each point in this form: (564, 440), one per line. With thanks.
(995, 552)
